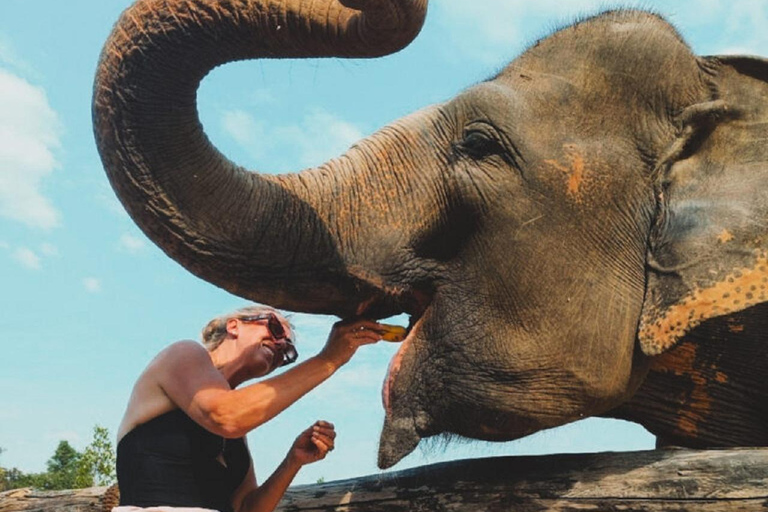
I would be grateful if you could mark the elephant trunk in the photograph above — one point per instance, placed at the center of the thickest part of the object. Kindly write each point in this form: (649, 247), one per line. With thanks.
(274, 239)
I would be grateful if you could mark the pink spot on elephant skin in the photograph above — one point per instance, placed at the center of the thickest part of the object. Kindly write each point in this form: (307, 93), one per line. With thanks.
(575, 171)
(724, 237)
(394, 368)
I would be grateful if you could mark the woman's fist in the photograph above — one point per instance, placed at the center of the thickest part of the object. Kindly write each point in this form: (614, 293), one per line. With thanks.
(314, 443)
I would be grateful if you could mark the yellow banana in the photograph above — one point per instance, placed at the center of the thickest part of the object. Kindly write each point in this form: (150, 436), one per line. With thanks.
(392, 332)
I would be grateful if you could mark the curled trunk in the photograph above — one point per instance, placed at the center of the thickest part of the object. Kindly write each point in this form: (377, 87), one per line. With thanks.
(275, 239)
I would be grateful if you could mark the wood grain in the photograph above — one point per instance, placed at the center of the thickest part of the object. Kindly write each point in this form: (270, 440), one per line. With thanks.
(660, 480)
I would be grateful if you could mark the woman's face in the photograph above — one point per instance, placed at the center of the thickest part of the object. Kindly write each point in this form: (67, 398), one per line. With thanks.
(265, 352)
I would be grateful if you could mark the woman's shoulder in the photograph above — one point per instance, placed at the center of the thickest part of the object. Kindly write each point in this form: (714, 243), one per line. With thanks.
(184, 352)
(183, 348)
(149, 397)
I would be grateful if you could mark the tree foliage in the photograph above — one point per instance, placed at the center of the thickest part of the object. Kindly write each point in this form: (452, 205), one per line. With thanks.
(68, 468)
(98, 459)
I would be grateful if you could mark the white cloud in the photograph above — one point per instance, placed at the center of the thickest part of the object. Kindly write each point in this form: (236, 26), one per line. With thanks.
(494, 31)
(319, 137)
(49, 249)
(28, 258)
(247, 132)
(718, 27)
(10, 57)
(92, 284)
(132, 244)
(262, 97)
(746, 28)
(29, 134)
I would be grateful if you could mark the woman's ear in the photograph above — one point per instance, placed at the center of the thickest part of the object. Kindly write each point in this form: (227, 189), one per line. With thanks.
(708, 253)
(232, 327)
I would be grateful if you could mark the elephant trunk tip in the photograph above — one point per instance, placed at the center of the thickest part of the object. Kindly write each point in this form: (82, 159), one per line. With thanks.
(398, 439)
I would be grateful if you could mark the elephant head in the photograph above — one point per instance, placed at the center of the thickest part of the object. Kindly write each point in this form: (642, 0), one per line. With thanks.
(547, 230)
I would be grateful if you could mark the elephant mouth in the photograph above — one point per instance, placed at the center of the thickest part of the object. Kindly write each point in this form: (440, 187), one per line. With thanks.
(404, 425)
(415, 304)
(414, 327)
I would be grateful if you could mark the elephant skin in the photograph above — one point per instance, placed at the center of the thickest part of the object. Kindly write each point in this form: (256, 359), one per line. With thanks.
(585, 233)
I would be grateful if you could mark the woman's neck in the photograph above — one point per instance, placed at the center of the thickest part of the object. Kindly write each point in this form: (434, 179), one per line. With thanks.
(226, 359)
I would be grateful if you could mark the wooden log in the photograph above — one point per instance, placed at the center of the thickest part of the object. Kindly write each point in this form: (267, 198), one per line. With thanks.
(30, 500)
(674, 480)
(661, 480)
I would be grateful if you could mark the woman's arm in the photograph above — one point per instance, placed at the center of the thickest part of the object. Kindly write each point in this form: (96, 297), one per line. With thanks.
(312, 445)
(194, 384)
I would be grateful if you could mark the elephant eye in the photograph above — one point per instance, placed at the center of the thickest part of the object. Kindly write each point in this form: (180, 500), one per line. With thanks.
(478, 145)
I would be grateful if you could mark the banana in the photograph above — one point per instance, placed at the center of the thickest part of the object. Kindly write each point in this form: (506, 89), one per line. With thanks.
(393, 333)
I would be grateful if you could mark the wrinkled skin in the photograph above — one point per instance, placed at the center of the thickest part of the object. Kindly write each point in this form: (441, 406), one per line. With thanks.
(583, 234)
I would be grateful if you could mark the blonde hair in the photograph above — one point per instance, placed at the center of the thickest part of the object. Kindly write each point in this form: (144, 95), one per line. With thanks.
(215, 331)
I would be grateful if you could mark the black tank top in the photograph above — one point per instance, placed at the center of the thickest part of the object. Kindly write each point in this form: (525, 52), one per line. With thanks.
(171, 460)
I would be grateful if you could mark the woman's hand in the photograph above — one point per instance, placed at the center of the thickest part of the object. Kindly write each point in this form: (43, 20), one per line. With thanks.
(313, 444)
(349, 335)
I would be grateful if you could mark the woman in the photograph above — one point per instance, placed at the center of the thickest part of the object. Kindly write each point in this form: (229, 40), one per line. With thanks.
(181, 442)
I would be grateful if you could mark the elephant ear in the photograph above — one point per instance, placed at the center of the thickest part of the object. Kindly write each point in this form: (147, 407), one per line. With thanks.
(708, 251)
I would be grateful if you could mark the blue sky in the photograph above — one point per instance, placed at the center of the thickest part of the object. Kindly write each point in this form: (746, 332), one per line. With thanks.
(88, 300)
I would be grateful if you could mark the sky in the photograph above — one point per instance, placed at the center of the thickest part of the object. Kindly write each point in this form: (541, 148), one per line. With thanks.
(88, 300)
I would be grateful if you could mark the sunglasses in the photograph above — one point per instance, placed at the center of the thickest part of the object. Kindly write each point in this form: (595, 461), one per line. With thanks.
(277, 331)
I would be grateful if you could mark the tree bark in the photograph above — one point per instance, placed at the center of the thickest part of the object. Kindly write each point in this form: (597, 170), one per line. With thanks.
(78, 500)
(668, 480)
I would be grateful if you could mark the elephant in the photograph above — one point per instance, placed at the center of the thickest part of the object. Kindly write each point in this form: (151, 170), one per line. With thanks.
(583, 234)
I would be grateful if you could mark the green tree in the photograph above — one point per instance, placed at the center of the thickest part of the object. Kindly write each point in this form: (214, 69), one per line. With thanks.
(64, 459)
(67, 468)
(3, 475)
(13, 478)
(64, 469)
(97, 464)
